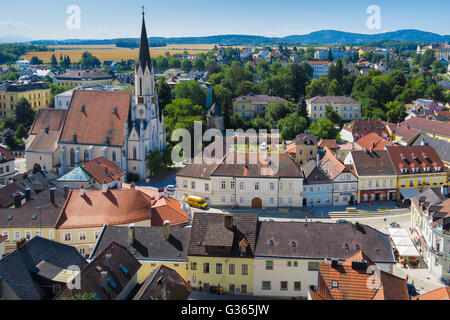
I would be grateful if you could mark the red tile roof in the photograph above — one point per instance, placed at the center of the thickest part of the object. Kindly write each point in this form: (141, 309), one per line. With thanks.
(331, 164)
(103, 170)
(374, 141)
(95, 208)
(353, 283)
(5, 153)
(361, 128)
(411, 157)
(94, 116)
(430, 126)
(442, 293)
(330, 143)
(53, 119)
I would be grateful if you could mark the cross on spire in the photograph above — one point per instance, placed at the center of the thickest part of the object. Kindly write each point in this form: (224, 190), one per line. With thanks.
(143, 10)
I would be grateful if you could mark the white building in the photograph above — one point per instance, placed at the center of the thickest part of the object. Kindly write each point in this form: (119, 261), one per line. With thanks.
(319, 68)
(288, 254)
(62, 100)
(430, 224)
(23, 64)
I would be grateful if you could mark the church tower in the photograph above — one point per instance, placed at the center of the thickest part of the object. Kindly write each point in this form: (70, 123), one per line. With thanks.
(147, 130)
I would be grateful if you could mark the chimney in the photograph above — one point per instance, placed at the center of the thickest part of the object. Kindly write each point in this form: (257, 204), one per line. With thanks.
(444, 190)
(66, 191)
(17, 200)
(28, 194)
(119, 184)
(82, 190)
(104, 281)
(161, 193)
(228, 221)
(21, 243)
(133, 186)
(166, 229)
(334, 263)
(105, 188)
(52, 195)
(108, 261)
(131, 235)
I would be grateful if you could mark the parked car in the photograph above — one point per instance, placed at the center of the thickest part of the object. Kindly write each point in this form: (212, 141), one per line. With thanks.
(171, 188)
(343, 221)
(394, 225)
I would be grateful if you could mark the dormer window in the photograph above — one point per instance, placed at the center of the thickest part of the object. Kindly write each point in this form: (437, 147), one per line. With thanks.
(403, 156)
(115, 110)
(83, 108)
(437, 168)
(107, 140)
(74, 138)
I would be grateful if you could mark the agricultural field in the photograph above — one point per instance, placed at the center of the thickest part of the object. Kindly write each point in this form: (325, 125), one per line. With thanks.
(112, 53)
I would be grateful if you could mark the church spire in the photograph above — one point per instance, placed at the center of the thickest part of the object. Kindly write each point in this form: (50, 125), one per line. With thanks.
(144, 50)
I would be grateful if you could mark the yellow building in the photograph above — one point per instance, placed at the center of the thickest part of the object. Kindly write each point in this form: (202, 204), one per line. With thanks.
(75, 78)
(151, 246)
(221, 251)
(306, 148)
(418, 168)
(348, 108)
(252, 106)
(37, 94)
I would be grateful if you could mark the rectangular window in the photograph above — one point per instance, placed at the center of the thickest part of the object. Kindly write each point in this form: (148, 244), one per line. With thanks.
(224, 185)
(241, 185)
(28, 235)
(6, 235)
(289, 264)
(206, 186)
(245, 269)
(266, 285)
(218, 268)
(192, 185)
(82, 235)
(232, 185)
(17, 235)
(206, 267)
(297, 286)
(231, 269)
(272, 186)
(283, 285)
(243, 288)
(194, 266)
(269, 265)
(335, 284)
(313, 266)
(295, 264)
(256, 186)
(231, 288)
(67, 236)
(51, 234)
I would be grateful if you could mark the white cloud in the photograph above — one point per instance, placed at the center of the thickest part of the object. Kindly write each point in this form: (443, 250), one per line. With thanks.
(12, 24)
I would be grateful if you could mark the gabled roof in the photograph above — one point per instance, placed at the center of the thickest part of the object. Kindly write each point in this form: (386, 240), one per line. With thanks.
(332, 165)
(305, 138)
(95, 116)
(149, 242)
(4, 153)
(317, 240)
(330, 143)
(441, 146)
(45, 142)
(121, 270)
(77, 174)
(19, 268)
(207, 225)
(95, 208)
(313, 174)
(360, 128)
(102, 170)
(164, 284)
(353, 282)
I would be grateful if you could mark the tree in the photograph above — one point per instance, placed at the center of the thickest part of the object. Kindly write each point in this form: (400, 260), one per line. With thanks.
(334, 88)
(54, 62)
(323, 129)
(179, 112)
(259, 124)
(10, 76)
(396, 112)
(224, 99)
(292, 125)
(24, 112)
(246, 87)
(35, 61)
(174, 63)
(330, 55)
(162, 63)
(317, 87)
(87, 60)
(21, 132)
(427, 59)
(159, 161)
(332, 115)
(276, 111)
(301, 108)
(186, 65)
(300, 75)
(191, 90)
(436, 92)
(199, 64)
(164, 92)
(438, 67)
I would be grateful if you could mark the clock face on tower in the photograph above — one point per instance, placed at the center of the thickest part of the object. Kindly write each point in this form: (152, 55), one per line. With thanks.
(140, 112)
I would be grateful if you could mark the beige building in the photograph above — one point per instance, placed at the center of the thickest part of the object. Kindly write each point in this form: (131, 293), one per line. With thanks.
(253, 106)
(348, 108)
(75, 78)
(245, 180)
(7, 169)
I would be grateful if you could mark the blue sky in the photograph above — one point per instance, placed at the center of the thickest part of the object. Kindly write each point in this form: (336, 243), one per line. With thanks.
(46, 19)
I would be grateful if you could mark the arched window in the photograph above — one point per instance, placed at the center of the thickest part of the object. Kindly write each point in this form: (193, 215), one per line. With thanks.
(114, 156)
(140, 86)
(86, 155)
(72, 157)
(134, 153)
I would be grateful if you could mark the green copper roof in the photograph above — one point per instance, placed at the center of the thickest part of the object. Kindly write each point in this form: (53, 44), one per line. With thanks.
(77, 174)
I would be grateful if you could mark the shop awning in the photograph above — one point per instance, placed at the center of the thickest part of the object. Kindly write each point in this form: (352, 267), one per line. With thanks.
(408, 251)
(398, 232)
(403, 242)
(409, 193)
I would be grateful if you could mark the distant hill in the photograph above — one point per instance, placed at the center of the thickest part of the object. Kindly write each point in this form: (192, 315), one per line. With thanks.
(318, 37)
